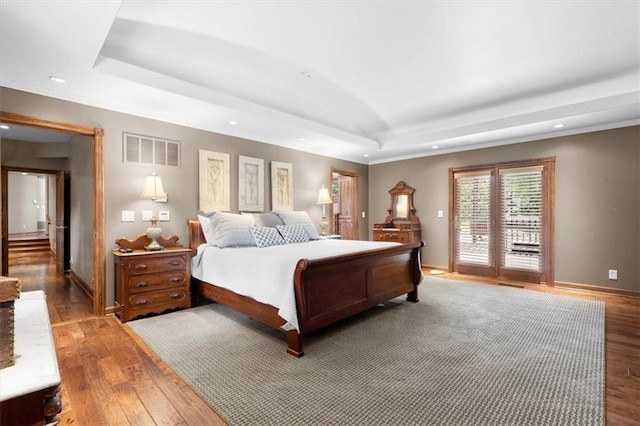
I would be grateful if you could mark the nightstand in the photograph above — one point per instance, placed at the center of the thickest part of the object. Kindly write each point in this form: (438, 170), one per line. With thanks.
(151, 281)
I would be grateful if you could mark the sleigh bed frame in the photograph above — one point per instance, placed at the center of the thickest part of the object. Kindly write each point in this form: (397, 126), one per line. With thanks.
(327, 290)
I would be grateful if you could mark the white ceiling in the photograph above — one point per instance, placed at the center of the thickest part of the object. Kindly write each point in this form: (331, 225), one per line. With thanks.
(366, 81)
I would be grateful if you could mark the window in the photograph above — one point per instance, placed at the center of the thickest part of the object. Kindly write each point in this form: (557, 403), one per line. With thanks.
(501, 216)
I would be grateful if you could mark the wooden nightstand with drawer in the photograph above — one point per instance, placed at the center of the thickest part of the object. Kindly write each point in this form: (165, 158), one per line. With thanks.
(151, 281)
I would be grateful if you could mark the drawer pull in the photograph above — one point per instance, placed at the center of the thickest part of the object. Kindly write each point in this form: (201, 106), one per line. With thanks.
(175, 295)
(174, 263)
(174, 279)
(142, 284)
(141, 266)
(141, 302)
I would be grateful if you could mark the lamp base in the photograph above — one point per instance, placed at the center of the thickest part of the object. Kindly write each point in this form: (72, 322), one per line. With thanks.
(153, 233)
(324, 228)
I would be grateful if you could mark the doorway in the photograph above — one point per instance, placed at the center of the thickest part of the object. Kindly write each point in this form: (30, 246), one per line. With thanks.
(344, 210)
(501, 220)
(96, 134)
(36, 217)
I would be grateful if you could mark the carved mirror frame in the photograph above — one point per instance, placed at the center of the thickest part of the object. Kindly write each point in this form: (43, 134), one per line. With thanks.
(401, 208)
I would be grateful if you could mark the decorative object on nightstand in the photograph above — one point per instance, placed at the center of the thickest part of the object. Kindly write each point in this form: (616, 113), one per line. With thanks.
(153, 190)
(151, 281)
(401, 224)
(324, 199)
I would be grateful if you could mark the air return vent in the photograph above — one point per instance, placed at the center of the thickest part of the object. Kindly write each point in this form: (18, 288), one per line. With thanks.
(150, 150)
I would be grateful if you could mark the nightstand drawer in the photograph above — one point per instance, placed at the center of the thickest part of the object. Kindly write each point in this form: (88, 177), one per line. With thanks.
(153, 282)
(152, 265)
(145, 300)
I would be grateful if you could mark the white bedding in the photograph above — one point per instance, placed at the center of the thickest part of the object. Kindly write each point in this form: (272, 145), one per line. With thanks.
(266, 274)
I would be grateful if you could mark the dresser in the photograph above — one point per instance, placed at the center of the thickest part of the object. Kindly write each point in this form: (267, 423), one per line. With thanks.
(151, 281)
(401, 224)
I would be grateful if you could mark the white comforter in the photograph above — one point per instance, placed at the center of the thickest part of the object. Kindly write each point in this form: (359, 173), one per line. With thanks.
(266, 274)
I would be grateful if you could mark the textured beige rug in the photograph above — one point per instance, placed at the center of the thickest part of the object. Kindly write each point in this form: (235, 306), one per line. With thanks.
(467, 354)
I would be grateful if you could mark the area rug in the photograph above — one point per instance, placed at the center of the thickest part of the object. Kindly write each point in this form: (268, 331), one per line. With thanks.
(466, 354)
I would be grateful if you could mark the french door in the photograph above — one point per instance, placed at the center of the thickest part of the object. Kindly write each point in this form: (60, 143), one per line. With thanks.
(501, 220)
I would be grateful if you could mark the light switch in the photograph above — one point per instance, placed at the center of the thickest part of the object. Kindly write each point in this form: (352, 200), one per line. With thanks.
(364, 215)
(440, 213)
(128, 216)
(163, 215)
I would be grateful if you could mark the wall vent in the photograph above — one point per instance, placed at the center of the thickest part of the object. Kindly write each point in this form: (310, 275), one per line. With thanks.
(150, 150)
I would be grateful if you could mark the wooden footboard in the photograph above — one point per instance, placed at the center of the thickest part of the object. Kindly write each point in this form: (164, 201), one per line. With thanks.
(329, 289)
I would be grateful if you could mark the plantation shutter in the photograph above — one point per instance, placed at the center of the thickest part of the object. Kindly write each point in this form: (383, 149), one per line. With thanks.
(473, 217)
(521, 218)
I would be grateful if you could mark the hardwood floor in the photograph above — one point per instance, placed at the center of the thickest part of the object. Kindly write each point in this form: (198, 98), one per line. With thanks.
(111, 377)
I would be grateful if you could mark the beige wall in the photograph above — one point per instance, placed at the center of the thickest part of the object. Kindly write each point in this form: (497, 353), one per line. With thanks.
(597, 208)
(124, 181)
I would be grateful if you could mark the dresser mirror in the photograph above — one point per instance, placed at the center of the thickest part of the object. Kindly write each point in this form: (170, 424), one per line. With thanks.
(401, 206)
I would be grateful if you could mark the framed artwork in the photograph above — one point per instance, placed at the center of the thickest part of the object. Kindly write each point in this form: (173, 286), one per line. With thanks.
(281, 186)
(250, 184)
(214, 181)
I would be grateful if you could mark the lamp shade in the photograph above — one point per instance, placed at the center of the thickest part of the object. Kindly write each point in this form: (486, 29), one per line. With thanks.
(153, 188)
(323, 196)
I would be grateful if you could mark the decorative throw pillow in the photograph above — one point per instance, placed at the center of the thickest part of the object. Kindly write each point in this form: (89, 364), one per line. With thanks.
(232, 230)
(207, 228)
(267, 219)
(293, 233)
(266, 236)
(300, 218)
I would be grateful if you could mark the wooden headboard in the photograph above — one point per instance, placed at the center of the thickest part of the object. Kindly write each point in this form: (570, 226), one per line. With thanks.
(196, 237)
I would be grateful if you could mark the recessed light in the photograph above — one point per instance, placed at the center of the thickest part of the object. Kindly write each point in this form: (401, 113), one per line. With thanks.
(302, 139)
(559, 126)
(233, 122)
(4, 126)
(56, 79)
(366, 155)
(307, 74)
(435, 147)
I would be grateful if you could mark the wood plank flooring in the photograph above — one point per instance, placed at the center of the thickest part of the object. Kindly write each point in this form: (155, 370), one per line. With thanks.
(111, 377)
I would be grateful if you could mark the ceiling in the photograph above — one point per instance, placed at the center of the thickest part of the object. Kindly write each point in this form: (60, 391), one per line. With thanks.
(363, 81)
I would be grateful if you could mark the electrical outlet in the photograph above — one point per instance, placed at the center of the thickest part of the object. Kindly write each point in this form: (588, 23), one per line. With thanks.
(364, 215)
(440, 213)
(613, 274)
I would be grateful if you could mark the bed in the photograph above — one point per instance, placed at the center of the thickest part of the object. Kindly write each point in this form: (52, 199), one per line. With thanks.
(325, 290)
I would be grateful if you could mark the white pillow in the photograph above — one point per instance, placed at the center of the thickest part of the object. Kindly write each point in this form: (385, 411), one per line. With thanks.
(266, 236)
(293, 233)
(207, 228)
(232, 230)
(300, 218)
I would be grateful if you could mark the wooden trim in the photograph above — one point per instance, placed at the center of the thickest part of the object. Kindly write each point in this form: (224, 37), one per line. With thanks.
(598, 288)
(81, 283)
(503, 164)
(98, 193)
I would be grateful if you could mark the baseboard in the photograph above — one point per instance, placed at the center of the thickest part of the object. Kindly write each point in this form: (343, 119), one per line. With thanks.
(83, 285)
(110, 310)
(564, 284)
(601, 289)
(434, 268)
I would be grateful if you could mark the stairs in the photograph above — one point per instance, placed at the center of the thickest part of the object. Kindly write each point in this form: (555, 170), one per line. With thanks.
(29, 247)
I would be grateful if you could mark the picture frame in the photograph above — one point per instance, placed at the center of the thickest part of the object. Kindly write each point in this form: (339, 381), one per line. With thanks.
(214, 181)
(281, 186)
(250, 184)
